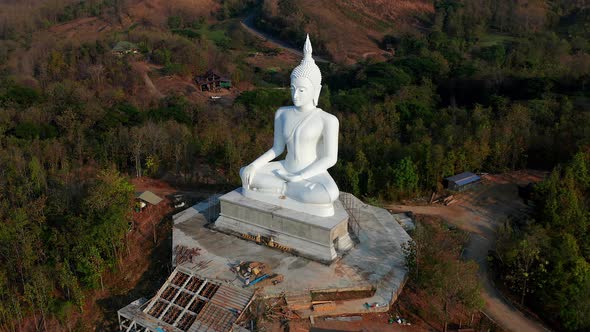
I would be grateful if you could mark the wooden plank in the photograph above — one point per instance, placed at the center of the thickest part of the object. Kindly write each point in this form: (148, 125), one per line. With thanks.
(324, 307)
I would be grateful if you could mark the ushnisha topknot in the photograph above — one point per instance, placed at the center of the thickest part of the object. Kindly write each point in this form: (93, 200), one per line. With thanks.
(308, 69)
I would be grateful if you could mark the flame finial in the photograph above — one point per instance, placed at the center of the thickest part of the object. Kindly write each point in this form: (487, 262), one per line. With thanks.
(307, 49)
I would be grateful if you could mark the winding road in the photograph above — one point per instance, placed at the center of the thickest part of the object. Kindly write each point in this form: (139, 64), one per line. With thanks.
(248, 24)
(479, 212)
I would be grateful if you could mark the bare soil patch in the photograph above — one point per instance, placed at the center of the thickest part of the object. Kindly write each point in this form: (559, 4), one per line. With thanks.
(352, 29)
(283, 60)
(479, 211)
(370, 323)
(156, 12)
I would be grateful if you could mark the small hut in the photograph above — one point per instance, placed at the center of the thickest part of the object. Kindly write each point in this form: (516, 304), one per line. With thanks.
(212, 81)
(145, 198)
(124, 47)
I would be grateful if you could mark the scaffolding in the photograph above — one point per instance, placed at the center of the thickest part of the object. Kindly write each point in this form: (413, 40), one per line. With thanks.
(213, 208)
(352, 205)
(187, 302)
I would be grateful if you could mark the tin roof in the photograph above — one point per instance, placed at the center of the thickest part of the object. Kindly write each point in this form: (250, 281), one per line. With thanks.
(149, 197)
(231, 297)
(123, 46)
(189, 302)
(463, 178)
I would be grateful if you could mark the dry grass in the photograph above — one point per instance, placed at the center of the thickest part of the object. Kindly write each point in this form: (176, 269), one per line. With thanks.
(25, 15)
(156, 12)
(352, 29)
(393, 10)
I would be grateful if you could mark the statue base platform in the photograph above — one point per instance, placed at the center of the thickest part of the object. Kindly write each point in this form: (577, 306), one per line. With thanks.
(317, 238)
(320, 210)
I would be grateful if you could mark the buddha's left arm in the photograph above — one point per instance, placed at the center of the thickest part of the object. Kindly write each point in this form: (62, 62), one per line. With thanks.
(330, 155)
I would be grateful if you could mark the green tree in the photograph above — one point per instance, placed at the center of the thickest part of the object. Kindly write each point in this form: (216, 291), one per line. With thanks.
(405, 176)
(439, 275)
(152, 165)
(521, 256)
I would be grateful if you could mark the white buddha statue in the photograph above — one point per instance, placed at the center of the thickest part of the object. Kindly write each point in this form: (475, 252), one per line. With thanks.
(300, 182)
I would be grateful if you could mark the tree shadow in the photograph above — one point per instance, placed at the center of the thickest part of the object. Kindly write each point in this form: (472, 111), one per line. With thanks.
(147, 286)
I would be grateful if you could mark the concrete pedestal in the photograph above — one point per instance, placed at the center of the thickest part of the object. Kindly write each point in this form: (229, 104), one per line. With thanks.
(317, 238)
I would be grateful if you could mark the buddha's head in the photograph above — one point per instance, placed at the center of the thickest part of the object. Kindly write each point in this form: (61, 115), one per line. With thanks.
(306, 79)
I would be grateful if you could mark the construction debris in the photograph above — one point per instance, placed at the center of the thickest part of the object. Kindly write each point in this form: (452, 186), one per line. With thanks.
(184, 254)
(331, 305)
(344, 319)
(432, 197)
(299, 302)
(252, 273)
(445, 200)
(277, 310)
(397, 319)
(267, 241)
(449, 200)
(374, 305)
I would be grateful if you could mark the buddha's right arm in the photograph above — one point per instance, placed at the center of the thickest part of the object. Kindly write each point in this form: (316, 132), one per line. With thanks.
(278, 143)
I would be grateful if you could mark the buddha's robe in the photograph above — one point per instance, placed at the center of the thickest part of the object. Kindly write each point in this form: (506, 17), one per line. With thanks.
(304, 139)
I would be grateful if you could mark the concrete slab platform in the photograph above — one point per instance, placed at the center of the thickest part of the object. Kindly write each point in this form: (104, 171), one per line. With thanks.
(377, 262)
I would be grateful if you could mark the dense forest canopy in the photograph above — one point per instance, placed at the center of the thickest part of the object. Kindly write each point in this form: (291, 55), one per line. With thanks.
(486, 85)
(546, 260)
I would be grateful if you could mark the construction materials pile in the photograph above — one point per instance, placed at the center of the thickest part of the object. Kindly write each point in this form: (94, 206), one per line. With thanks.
(277, 309)
(184, 254)
(252, 273)
(445, 200)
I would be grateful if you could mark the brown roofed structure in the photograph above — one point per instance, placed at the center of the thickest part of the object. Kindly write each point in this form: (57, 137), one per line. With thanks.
(212, 81)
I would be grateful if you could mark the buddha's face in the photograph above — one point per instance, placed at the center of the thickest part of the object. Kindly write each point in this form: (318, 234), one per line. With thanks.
(302, 92)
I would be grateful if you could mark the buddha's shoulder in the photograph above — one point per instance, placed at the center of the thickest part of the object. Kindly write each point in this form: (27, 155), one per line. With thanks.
(327, 116)
(284, 109)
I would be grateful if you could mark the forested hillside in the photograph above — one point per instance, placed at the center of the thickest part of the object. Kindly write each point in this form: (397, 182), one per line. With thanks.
(482, 86)
(347, 31)
(545, 262)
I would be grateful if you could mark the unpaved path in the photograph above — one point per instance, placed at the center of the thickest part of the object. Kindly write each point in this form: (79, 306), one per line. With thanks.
(479, 212)
(248, 24)
(143, 69)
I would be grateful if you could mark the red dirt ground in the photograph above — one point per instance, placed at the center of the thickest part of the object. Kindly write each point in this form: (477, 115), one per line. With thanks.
(158, 187)
(143, 260)
(369, 323)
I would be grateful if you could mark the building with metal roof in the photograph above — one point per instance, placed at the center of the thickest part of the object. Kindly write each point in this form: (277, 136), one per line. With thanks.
(461, 181)
(149, 197)
(125, 47)
(188, 302)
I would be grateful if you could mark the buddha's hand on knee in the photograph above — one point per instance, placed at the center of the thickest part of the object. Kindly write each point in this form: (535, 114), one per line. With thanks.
(294, 178)
(248, 175)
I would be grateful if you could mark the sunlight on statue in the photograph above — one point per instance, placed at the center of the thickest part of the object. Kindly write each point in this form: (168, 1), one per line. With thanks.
(310, 135)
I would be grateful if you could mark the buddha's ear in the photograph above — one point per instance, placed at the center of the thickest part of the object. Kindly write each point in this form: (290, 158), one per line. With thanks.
(316, 98)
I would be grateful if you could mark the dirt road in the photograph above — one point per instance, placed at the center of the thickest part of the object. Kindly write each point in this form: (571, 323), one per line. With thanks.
(479, 212)
(248, 24)
(143, 69)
